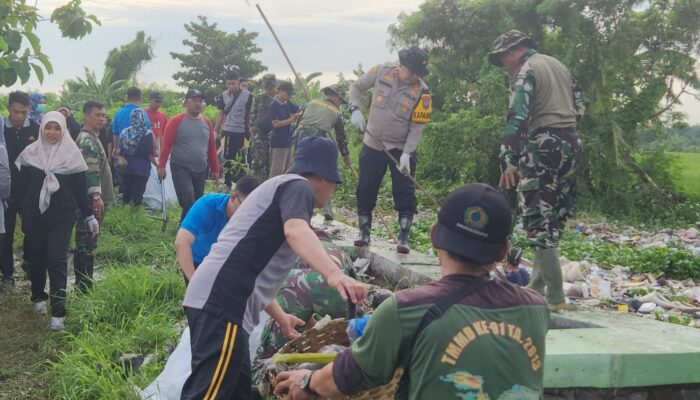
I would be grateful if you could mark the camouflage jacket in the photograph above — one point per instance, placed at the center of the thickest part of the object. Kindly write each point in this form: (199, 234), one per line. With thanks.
(521, 111)
(95, 158)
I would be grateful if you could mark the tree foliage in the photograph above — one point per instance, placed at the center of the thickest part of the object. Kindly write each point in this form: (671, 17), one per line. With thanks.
(213, 52)
(81, 89)
(629, 56)
(127, 60)
(20, 47)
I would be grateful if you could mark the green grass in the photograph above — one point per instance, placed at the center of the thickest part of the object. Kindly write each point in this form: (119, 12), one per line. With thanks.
(688, 181)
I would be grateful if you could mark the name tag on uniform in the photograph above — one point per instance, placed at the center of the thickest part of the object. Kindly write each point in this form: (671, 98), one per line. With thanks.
(422, 111)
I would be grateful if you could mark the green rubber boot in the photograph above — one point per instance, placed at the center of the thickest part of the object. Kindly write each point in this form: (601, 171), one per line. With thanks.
(547, 260)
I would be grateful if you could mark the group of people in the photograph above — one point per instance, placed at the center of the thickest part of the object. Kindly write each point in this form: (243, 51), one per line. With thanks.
(463, 335)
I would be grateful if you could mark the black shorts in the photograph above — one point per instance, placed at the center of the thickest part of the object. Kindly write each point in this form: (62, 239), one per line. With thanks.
(220, 358)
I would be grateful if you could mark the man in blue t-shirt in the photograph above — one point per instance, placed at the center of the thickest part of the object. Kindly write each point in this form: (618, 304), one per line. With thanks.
(283, 114)
(205, 221)
(122, 118)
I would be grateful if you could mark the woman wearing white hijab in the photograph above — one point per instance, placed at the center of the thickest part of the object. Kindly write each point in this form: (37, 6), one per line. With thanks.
(52, 171)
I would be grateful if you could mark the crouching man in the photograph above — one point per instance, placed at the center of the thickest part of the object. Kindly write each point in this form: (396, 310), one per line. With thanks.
(463, 336)
(240, 276)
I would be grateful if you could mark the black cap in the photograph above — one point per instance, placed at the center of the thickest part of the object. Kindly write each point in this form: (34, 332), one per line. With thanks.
(194, 93)
(286, 86)
(474, 222)
(316, 155)
(415, 59)
(156, 96)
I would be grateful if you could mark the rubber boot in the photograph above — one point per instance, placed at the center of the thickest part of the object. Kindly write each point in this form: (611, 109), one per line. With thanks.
(365, 223)
(83, 266)
(405, 222)
(537, 280)
(548, 261)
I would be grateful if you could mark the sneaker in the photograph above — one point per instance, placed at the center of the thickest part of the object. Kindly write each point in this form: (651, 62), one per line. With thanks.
(40, 308)
(57, 323)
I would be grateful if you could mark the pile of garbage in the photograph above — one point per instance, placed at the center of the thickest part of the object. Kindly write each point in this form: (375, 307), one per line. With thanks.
(637, 237)
(620, 289)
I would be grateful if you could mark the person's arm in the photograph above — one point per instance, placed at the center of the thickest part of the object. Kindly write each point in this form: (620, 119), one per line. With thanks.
(91, 155)
(183, 252)
(518, 119)
(370, 362)
(219, 121)
(169, 139)
(80, 193)
(361, 85)
(5, 175)
(340, 136)
(286, 322)
(152, 148)
(305, 243)
(212, 156)
(248, 109)
(419, 117)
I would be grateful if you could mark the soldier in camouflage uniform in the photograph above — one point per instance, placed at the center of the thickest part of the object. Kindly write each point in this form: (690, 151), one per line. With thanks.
(541, 148)
(262, 125)
(100, 191)
(319, 118)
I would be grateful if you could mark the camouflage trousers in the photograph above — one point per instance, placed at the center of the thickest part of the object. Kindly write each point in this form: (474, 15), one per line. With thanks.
(260, 155)
(547, 188)
(85, 243)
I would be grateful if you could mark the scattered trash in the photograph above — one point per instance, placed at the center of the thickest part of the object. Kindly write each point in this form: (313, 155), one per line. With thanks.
(647, 308)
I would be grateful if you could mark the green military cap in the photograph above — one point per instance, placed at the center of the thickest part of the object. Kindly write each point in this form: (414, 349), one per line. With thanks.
(335, 90)
(506, 42)
(268, 80)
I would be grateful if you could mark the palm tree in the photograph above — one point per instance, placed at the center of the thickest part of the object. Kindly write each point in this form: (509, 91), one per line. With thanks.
(91, 88)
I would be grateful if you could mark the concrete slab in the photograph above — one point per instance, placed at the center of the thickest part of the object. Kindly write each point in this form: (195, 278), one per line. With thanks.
(626, 351)
(584, 349)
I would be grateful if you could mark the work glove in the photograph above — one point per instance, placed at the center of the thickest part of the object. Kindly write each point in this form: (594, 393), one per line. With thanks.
(405, 163)
(92, 225)
(358, 120)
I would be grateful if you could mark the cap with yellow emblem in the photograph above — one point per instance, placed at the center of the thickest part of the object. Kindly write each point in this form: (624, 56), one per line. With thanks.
(473, 222)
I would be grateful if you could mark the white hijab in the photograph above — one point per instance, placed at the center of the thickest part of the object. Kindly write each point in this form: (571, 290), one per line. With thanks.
(63, 158)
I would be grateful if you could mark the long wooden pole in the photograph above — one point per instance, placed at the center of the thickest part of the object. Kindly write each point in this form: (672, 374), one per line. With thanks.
(302, 83)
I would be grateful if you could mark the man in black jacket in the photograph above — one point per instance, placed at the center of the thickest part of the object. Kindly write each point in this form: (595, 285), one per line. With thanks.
(19, 132)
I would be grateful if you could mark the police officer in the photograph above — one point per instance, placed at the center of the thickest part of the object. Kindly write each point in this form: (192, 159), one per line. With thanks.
(541, 149)
(400, 108)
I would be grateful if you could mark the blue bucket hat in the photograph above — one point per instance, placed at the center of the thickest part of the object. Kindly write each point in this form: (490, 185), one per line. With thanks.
(318, 156)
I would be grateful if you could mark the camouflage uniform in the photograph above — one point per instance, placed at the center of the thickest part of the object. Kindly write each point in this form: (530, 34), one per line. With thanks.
(545, 156)
(85, 243)
(260, 146)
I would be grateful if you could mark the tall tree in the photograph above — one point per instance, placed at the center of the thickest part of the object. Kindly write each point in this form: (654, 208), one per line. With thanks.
(630, 56)
(20, 47)
(213, 52)
(127, 60)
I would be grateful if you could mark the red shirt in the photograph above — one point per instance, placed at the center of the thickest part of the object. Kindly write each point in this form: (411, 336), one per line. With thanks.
(158, 121)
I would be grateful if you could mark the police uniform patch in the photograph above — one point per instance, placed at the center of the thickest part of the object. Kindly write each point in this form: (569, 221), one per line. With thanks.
(422, 111)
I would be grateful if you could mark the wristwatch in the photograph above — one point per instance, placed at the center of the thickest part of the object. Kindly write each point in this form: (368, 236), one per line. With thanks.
(306, 384)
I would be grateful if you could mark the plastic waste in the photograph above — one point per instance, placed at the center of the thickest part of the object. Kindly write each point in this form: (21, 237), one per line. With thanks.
(356, 327)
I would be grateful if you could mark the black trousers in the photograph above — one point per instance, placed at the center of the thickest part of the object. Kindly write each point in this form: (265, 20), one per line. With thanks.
(373, 165)
(48, 244)
(233, 144)
(133, 187)
(189, 186)
(220, 358)
(7, 254)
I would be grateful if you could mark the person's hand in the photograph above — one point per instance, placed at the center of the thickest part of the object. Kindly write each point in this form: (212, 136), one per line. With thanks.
(346, 285)
(288, 324)
(508, 180)
(65, 111)
(214, 175)
(98, 208)
(161, 173)
(346, 158)
(405, 163)
(358, 120)
(92, 225)
(289, 383)
(115, 153)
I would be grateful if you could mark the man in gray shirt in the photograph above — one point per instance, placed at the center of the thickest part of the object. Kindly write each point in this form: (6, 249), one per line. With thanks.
(190, 145)
(233, 121)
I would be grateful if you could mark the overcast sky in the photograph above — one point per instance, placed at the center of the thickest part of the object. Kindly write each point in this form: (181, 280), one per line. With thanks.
(327, 36)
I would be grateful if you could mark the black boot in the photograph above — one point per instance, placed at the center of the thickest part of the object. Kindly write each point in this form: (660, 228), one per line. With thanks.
(405, 222)
(365, 222)
(83, 266)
